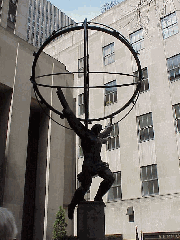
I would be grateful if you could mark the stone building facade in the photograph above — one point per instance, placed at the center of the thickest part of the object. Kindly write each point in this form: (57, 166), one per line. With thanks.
(143, 151)
(32, 20)
(37, 159)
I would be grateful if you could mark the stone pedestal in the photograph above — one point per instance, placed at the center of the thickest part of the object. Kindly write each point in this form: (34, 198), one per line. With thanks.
(91, 221)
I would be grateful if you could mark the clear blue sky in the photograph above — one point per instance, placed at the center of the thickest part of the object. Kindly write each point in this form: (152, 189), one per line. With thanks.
(78, 10)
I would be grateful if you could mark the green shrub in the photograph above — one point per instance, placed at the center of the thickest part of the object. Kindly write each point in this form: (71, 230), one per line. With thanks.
(59, 229)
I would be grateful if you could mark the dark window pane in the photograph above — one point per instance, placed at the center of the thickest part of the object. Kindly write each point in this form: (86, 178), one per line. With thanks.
(111, 98)
(115, 96)
(119, 178)
(149, 119)
(110, 194)
(178, 125)
(116, 129)
(140, 121)
(145, 188)
(113, 131)
(149, 175)
(113, 143)
(117, 142)
(151, 133)
(115, 192)
(107, 100)
(171, 75)
(143, 173)
(141, 135)
(151, 187)
(115, 181)
(146, 134)
(146, 85)
(81, 109)
(119, 192)
(80, 99)
(177, 110)
(109, 143)
(156, 188)
(154, 171)
(142, 86)
(145, 75)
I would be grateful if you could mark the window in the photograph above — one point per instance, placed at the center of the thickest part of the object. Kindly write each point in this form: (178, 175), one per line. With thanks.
(80, 151)
(115, 190)
(80, 67)
(137, 40)
(81, 108)
(108, 54)
(113, 139)
(149, 180)
(173, 67)
(12, 14)
(176, 109)
(144, 82)
(145, 127)
(169, 25)
(110, 93)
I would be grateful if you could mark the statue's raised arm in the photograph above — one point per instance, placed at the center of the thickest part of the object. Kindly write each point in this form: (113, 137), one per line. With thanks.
(74, 123)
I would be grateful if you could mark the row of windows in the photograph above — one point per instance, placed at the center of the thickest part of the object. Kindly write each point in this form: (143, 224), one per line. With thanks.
(149, 179)
(145, 130)
(169, 27)
(110, 94)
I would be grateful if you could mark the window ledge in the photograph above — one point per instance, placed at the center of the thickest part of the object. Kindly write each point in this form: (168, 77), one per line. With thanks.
(148, 140)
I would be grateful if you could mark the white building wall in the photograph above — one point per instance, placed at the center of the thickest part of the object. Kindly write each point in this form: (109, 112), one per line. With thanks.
(159, 213)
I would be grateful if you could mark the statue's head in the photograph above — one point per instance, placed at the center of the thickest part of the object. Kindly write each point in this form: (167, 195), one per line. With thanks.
(96, 128)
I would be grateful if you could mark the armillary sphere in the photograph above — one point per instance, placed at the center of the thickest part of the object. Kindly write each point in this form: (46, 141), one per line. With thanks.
(97, 27)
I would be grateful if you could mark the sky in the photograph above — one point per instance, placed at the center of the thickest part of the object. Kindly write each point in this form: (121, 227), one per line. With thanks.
(78, 10)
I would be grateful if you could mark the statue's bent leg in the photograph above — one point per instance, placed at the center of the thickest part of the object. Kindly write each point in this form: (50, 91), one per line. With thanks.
(105, 185)
(80, 192)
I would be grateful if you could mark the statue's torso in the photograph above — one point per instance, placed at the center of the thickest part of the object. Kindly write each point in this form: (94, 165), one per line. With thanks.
(91, 146)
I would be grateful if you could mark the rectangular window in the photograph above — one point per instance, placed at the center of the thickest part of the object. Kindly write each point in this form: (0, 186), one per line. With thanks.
(108, 54)
(110, 93)
(144, 82)
(169, 25)
(113, 139)
(115, 190)
(12, 14)
(81, 109)
(173, 67)
(80, 67)
(145, 127)
(176, 110)
(137, 40)
(149, 180)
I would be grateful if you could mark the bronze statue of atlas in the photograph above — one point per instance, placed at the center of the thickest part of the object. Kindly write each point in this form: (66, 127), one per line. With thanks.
(91, 139)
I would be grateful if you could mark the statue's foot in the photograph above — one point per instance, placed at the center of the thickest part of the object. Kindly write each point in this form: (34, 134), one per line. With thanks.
(70, 212)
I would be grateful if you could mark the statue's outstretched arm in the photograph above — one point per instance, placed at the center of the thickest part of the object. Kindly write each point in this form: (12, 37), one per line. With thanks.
(74, 123)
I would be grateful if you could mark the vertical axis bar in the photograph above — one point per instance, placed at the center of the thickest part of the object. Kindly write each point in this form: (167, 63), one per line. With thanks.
(86, 74)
